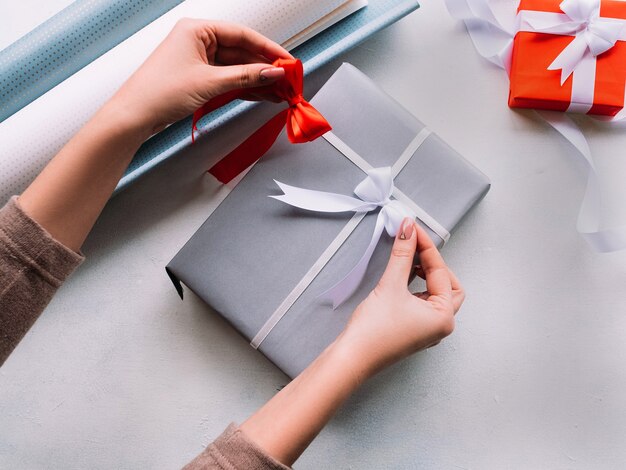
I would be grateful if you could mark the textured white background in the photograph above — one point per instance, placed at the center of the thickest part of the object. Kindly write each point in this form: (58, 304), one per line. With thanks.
(119, 373)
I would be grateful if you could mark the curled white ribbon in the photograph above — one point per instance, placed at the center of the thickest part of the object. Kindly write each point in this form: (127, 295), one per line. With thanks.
(373, 192)
(492, 34)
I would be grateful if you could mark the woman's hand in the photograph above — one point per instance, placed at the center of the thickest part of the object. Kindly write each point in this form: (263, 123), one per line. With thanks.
(392, 323)
(197, 61)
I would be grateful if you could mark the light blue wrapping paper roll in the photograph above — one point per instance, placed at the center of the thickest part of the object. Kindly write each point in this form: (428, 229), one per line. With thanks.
(67, 42)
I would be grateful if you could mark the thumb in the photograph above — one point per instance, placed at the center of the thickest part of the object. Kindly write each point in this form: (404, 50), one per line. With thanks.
(400, 264)
(231, 77)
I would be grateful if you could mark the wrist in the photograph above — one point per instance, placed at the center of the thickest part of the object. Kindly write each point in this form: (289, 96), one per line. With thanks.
(349, 356)
(127, 120)
(369, 355)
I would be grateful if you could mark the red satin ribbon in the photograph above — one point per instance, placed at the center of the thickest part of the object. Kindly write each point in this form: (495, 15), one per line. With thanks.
(304, 122)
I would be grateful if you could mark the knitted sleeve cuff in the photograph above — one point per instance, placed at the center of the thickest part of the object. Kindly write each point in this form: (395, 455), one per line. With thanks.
(233, 450)
(34, 246)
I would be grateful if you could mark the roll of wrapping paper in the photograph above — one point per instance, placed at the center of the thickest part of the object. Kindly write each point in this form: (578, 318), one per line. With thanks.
(33, 139)
(67, 42)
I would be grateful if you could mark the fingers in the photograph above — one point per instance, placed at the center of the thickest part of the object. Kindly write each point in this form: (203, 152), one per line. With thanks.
(417, 269)
(401, 261)
(242, 37)
(245, 53)
(457, 298)
(422, 295)
(258, 96)
(458, 293)
(261, 97)
(230, 77)
(236, 55)
(436, 273)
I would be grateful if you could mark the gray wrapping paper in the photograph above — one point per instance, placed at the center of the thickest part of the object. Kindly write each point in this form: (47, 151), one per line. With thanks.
(253, 250)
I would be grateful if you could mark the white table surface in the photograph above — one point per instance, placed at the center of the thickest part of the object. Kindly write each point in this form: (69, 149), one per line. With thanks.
(119, 373)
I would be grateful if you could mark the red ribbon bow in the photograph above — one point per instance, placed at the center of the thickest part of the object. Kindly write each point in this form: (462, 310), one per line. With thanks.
(304, 122)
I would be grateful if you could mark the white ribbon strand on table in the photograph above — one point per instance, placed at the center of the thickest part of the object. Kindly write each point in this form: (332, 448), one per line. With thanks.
(376, 190)
(594, 35)
(589, 222)
(491, 34)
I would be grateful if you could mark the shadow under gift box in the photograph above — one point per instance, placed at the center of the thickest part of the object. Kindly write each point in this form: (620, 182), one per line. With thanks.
(253, 250)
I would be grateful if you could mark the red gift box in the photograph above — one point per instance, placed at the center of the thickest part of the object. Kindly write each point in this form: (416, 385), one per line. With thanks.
(533, 85)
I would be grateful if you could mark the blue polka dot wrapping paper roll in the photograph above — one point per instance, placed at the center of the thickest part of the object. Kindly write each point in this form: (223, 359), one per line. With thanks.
(35, 133)
(66, 43)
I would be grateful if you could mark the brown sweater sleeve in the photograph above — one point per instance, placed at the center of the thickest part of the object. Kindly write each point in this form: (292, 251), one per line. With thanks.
(33, 265)
(233, 450)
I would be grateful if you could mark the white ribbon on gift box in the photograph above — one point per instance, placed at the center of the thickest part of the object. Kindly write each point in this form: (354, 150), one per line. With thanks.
(492, 33)
(375, 191)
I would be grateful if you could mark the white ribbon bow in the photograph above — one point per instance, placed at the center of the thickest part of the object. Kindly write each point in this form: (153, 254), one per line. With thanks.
(592, 33)
(373, 192)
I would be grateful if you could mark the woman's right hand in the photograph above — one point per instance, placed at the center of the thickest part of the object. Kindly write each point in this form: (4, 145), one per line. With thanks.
(197, 61)
(387, 326)
(392, 323)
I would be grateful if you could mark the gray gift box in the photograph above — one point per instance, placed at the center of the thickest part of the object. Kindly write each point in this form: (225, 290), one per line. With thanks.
(253, 251)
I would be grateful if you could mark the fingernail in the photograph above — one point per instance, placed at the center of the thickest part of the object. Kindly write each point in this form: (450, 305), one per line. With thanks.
(272, 73)
(406, 230)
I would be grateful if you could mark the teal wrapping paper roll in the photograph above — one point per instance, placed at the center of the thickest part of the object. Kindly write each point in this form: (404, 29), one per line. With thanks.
(65, 43)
